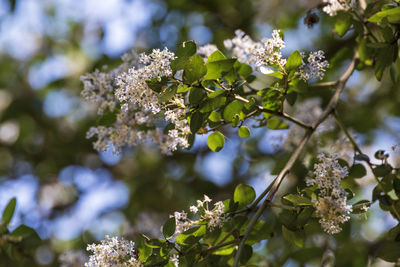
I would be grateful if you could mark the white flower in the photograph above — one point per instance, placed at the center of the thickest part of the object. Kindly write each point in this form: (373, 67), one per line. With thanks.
(269, 53)
(206, 50)
(333, 6)
(194, 209)
(331, 204)
(174, 259)
(113, 252)
(315, 66)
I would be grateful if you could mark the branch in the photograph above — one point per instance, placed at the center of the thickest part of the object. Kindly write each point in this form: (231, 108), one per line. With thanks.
(275, 186)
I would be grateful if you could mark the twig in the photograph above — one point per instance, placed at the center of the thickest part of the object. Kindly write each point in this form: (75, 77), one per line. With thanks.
(275, 186)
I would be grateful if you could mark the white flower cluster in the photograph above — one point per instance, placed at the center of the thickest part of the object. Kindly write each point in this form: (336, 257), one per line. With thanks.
(331, 204)
(315, 66)
(215, 217)
(266, 52)
(333, 6)
(206, 50)
(270, 51)
(138, 120)
(113, 252)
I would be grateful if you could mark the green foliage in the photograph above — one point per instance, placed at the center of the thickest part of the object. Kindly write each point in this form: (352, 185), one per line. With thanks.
(216, 141)
(8, 212)
(244, 195)
(243, 132)
(294, 61)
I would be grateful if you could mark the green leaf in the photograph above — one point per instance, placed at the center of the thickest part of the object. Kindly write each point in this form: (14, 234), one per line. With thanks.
(182, 88)
(382, 170)
(169, 227)
(194, 69)
(247, 252)
(277, 124)
(9, 211)
(232, 109)
(294, 237)
(185, 50)
(389, 251)
(213, 104)
(294, 61)
(362, 157)
(196, 95)
(216, 93)
(384, 59)
(167, 94)
(216, 56)
(25, 232)
(157, 85)
(298, 200)
(244, 70)
(155, 243)
(196, 121)
(216, 69)
(298, 86)
(191, 235)
(216, 141)
(244, 195)
(392, 15)
(144, 250)
(244, 132)
(357, 171)
(342, 23)
(215, 116)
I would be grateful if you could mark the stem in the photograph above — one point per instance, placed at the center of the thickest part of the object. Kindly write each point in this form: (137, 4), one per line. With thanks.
(370, 165)
(277, 182)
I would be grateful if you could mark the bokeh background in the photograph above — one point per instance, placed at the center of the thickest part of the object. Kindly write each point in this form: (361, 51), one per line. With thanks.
(73, 195)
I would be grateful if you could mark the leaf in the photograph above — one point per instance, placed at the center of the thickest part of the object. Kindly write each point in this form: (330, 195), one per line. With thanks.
(194, 69)
(277, 124)
(167, 94)
(216, 141)
(384, 59)
(244, 195)
(216, 69)
(216, 93)
(389, 251)
(196, 121)
(392, 15)
(169, 227)
(213, 104)
(342, 23)
(362, 157)
(382, 170)
(294, 237)
(185, 50)
(244, 132)
(215, 116)
(9, 211)
(25, 232)
(294, 61)
(196, 95)
(144, 250)
(247, 252)
(191, 235)
(298, 200)
(216, 56)
(232, 109)
(357, 171)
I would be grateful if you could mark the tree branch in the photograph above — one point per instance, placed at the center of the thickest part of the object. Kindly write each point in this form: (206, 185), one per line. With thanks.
(275, 186)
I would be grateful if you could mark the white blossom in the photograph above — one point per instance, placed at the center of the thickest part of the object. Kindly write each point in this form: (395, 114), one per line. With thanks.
(315, 66)
(206, 50)
(174, 259)
(331, 203)
(269, 53)
(333, 6)
(113, 252)
(243, 47)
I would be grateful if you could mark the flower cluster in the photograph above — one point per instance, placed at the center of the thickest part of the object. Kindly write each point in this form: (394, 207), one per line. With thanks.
(139, 118)
(175, 260)
(206, 50)
(269, 53)
(315, 66)
(266, 52)
(215, 218)
(333, 6)
(331, 204)
(113, 252)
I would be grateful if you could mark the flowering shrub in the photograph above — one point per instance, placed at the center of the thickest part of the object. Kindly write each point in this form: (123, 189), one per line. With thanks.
(168, 98)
